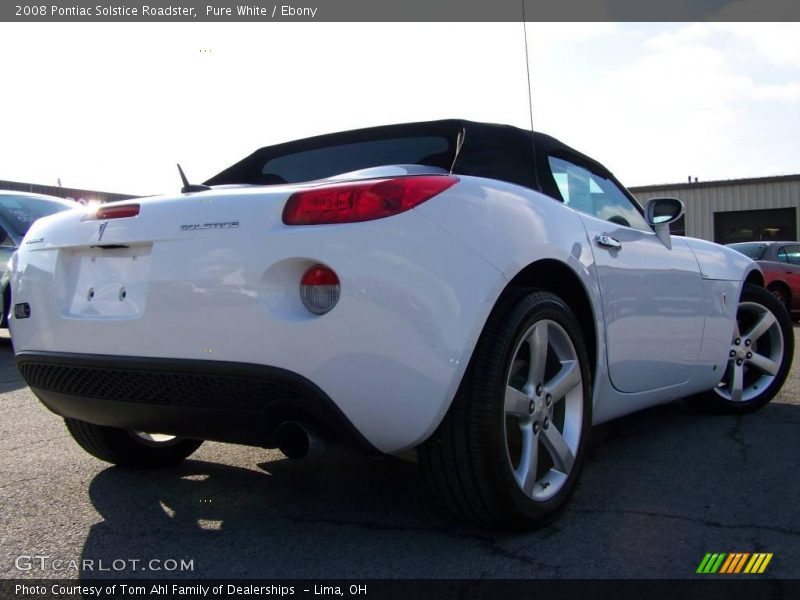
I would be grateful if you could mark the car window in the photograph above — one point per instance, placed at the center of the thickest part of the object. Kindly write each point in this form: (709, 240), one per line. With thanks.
(792, 254)
(335, 160)
(5, 239)
(782, 256)
(750, 250)
(21, 211)
(594, 195)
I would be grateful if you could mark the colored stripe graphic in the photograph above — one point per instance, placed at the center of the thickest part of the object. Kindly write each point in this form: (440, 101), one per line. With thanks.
(716, 565)
(765, 563)
(749, 568)
(740, 563)
(734, 563)
(758, 563)
(711, 563)
(703, 563)
(726, 566)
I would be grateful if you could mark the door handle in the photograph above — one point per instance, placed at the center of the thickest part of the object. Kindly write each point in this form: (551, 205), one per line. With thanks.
(608, 242)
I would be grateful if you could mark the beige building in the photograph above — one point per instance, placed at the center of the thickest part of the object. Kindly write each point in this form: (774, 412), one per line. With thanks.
(735, 210)
(78, 195)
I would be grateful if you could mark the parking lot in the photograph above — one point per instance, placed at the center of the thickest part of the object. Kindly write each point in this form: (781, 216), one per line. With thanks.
(660, 489)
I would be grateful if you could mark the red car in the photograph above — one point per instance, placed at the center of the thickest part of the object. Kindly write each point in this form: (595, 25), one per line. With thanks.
(780, 262)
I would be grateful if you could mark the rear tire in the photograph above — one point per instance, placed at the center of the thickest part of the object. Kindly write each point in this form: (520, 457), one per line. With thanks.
(761, 356)
(130, 449)
(509, 451)
(6, 306)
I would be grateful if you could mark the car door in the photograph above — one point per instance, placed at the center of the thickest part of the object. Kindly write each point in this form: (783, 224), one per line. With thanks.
(789, 257)
(651, 294)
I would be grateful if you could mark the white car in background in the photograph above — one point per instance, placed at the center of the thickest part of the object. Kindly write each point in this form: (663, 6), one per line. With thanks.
(472, 291)
(18, 211)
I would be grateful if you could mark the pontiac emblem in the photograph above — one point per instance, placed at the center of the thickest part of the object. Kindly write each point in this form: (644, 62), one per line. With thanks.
(100, 233)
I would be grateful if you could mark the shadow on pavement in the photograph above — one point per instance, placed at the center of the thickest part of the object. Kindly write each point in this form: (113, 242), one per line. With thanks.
(657, 484)
(285, 516)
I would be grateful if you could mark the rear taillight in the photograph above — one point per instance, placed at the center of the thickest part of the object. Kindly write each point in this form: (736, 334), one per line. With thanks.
(362, 200)
(119, 211)
(319, 289)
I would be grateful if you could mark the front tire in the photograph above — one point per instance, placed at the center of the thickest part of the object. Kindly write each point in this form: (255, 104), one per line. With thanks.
(129, 448)
(510, 449)
(760, 356)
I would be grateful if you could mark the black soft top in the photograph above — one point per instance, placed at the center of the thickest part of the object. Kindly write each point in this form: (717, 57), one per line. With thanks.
(486, 150)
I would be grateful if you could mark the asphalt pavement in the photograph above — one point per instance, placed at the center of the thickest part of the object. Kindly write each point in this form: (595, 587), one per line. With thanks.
(660, 489)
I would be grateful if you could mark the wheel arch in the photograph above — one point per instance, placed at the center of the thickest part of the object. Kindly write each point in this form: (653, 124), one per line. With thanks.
(784, 287)
(755, 277)
(557, 277)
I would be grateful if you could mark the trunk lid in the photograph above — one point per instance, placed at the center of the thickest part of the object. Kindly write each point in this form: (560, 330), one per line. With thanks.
(104, 267)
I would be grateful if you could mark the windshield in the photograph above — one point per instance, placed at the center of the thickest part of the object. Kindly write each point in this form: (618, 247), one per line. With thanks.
(19, 212)
(750, 250)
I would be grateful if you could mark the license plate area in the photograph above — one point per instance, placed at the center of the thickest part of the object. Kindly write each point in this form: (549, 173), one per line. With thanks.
(98, 283)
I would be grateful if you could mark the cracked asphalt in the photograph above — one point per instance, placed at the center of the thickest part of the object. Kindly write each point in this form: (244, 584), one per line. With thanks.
(660, 489)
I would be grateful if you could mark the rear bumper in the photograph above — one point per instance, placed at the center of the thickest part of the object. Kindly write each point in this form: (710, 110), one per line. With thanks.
(223, 401)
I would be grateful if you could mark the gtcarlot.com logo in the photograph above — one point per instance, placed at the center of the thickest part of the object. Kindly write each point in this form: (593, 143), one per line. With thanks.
(734, 563)
(45, 562)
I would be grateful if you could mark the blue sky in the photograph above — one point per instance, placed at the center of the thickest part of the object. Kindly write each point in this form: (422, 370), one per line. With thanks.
(114, 106)
(659, 102)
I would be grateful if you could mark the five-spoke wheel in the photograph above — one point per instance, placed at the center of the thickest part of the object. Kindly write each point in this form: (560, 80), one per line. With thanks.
(510, 448)
(755, 356)
(544, 409)
(759, 357)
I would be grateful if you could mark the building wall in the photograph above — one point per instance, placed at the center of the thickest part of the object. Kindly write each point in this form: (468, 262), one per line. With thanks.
(78, 195)
(703, 199)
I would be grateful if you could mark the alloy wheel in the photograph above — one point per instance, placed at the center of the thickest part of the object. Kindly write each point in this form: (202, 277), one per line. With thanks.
(543, 410)
(755, 355)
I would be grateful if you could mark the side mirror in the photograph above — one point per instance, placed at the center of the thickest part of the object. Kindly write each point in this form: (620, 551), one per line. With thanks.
(660, 212)
(663, 211)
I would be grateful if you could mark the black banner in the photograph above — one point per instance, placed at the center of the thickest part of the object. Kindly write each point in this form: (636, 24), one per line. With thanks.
(732, 588)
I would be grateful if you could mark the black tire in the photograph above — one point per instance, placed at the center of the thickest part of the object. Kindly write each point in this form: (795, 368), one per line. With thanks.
(467, 461)
(125, 448)
(759, 389)
(6, 306)
(782, 296)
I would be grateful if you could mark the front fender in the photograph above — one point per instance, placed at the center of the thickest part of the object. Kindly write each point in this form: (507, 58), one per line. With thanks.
(720, 262)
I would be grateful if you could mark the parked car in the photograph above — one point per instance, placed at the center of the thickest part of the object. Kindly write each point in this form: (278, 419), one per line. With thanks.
(434, 286)
(18, 210)
(780, 263)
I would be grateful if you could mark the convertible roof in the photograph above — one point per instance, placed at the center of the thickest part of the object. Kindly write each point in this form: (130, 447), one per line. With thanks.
(487, 150)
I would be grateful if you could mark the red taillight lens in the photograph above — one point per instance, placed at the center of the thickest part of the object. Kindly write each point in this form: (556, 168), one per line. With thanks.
(362, 200)
(120, 211)
(319, 289)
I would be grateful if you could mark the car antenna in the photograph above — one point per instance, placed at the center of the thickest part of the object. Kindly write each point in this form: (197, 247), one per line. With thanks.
(530, 99)
(190, 187)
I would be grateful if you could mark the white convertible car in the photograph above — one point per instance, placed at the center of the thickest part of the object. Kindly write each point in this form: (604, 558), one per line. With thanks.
(475, 292)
